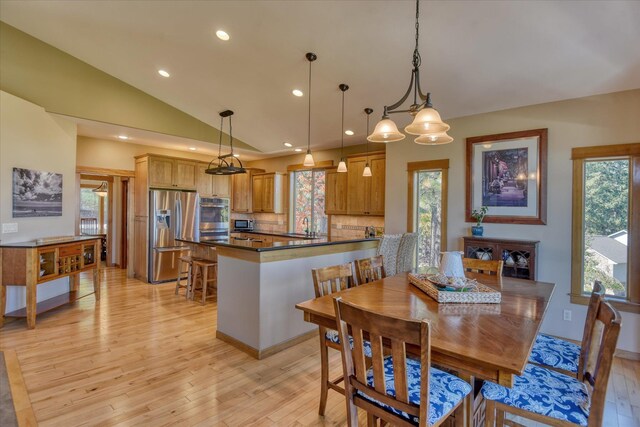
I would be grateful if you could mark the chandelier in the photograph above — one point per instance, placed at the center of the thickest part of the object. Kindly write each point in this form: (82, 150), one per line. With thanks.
(426, 123)
(102, 190)
(224, 166)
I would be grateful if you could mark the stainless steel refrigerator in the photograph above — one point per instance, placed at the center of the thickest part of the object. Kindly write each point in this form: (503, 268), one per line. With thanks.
(172, 215)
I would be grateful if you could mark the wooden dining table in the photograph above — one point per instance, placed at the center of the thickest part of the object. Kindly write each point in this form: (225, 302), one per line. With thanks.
(484, 341)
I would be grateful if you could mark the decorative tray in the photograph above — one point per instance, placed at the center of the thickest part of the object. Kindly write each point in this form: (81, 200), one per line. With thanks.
(462, 291)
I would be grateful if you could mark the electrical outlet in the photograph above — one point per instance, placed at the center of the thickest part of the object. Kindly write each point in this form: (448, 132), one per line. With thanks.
(10, 227)
(567, 315)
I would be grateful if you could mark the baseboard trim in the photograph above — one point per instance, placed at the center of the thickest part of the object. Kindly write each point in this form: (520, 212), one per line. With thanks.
(262, 354)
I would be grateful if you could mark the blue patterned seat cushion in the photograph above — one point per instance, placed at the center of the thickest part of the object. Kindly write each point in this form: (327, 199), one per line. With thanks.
(555, 353)
(545, 392)
(445, 390)
(333, 336)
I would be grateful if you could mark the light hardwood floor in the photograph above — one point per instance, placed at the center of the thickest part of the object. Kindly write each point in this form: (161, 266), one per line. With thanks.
(143, 356)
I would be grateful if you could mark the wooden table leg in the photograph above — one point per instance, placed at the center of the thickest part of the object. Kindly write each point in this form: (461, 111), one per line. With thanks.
(31, 287)
(3, 302)
(96, 282)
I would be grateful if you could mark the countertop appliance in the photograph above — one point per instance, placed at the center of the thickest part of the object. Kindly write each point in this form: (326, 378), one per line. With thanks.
(213, 219)
(172, 215)
(242, 225)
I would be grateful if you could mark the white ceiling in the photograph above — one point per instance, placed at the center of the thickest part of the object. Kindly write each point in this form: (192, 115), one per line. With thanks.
(477, 56)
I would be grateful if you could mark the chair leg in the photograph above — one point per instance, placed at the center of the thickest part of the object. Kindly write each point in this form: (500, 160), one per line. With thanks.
(205, 283)
(189, 281)
(179, 273)
(352, 412)
(372, 420)
(499, 417)
(490, 413)
(194, 281)
(324, 375)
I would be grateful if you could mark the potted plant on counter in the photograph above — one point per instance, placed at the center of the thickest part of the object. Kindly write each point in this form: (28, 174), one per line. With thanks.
(478, 215)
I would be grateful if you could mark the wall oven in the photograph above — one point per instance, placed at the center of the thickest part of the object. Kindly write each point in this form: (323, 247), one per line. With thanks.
(213, 219)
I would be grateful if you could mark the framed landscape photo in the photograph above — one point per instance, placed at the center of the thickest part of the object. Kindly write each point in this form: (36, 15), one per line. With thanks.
(507, 172)
(36, 193)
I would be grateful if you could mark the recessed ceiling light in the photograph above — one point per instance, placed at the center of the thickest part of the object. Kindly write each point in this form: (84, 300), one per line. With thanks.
(287, 144)
(222, 35)
(297, 150)
(297, 92)
(192, 148)
(348, 132)
(164, 73)
(123, 137)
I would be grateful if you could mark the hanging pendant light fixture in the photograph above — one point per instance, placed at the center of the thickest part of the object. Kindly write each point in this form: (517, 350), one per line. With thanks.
(102, 190)
(224, 166)
(367, 169)
(308, 158)
(434, 139)
(426, 120)
(342, 166)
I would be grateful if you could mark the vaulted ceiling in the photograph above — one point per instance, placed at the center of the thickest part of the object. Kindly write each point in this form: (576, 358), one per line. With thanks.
(477, 56)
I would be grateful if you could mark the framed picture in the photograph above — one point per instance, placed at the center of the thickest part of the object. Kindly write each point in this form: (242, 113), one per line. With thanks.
(507, 172)
(36, 193)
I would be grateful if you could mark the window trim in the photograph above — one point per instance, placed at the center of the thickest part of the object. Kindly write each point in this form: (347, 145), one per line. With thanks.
(291, 172)
(413, 168)
(579, 155)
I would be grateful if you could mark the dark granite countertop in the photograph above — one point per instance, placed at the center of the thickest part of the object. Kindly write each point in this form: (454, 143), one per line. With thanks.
(48, 241)
(259, 246)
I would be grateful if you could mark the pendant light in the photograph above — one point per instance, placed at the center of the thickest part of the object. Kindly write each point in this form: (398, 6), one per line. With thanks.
(426, 120)
(342, 166)
(367, 169)
(434, 139)
(308, 158)
(102, 190)
(224, 166)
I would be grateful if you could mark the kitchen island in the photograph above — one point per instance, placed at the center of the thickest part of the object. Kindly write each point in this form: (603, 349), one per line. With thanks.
(261, 281)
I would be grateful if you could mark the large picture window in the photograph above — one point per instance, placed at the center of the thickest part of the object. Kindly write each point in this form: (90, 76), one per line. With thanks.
(308, 202)
(605, 246)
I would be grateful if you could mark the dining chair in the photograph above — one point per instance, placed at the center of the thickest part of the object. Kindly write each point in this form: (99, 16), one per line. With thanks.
(491, 267)
(388, 248)
(369, 269)
(406, 252)
(561, 355)
(550, 397)
(328, 280)
(397, 389)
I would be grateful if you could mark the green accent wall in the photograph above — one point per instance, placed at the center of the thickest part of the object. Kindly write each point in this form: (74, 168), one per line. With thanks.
(62, 84)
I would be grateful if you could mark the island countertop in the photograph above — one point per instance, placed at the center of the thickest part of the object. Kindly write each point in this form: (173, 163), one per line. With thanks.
(261, 246)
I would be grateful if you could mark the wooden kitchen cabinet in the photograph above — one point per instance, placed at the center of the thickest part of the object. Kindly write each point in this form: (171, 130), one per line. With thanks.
(241, 191)
(365, 195)
(169, 172)
(268, 192)
(212, 185)
(335, 202)
(519, 256)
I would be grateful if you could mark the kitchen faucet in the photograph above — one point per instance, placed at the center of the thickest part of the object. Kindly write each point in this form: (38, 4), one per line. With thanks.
(305, 222)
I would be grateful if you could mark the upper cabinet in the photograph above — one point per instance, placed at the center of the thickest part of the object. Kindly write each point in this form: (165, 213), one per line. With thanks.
(335, 193)
(167, 172)
(268, 192)
(365, 195)
(212, 185)
(241, 191)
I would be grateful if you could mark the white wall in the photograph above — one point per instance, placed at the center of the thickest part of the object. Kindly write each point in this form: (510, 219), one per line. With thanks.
(597, 120)
(31, 138)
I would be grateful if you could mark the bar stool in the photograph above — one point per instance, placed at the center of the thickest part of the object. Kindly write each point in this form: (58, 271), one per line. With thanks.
(186, 259)
(201, 270)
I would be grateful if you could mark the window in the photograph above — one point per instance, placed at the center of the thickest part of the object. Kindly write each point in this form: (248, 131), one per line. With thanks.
(93, 217)
(308, 202)
(427, 209)
(605, 244)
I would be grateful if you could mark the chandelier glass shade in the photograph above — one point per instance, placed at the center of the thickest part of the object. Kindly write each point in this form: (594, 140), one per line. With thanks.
(225, 163)
(426, 120)
(434, 139)
(102, 190)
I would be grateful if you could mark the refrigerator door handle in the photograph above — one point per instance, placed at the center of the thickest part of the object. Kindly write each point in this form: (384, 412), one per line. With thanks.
(178, 222)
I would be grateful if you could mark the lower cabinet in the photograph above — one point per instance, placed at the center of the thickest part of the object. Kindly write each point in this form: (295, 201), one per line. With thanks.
(519, 256)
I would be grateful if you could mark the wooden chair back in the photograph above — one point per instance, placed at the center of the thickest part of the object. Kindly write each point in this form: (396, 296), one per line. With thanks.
(599, 354)
(597, 296)
(327, 280)
(490, 267)
(370, 269)
(399, 333)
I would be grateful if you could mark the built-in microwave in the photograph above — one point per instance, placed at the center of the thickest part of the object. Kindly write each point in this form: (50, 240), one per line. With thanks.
(243, 225)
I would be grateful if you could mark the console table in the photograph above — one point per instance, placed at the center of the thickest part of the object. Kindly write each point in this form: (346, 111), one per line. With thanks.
(30, 264)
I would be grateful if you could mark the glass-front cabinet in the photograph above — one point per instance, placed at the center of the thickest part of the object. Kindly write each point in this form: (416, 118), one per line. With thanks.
(519, 256)
(46, 263)
(88, 255)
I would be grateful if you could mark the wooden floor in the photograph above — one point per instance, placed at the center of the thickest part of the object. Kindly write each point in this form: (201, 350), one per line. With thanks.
(143, 356)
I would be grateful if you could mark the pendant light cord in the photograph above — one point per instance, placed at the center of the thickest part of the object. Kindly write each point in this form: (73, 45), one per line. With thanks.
(417, 60)
(367, 139)
(231, 137)
(220, 139)
(342, 133)
(309, 117)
